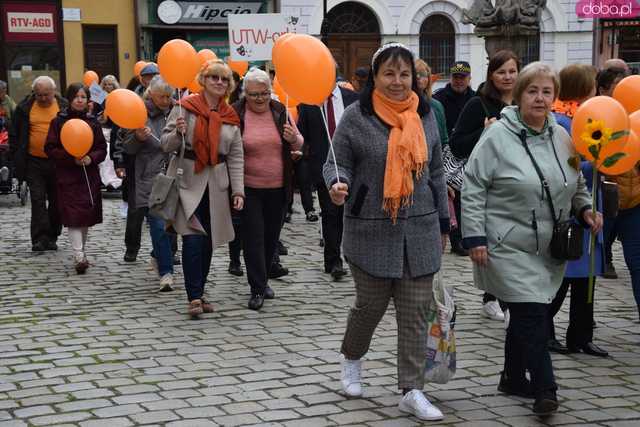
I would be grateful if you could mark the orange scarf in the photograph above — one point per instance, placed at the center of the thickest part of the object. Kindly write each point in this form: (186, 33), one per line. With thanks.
(206, 134)
(568, 108)
(407, 149)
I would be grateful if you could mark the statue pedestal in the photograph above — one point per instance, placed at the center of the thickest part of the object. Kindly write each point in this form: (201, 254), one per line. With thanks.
(513, 38)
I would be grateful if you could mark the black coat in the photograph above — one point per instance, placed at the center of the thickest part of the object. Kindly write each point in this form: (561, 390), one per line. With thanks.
(453, 103)
(19, 133)
(316, 142)
(470, 124)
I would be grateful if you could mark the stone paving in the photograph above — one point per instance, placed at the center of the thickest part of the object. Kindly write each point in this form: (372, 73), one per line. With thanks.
(107, 349)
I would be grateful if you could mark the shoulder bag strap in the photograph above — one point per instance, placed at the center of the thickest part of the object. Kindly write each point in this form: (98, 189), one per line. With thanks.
(543, 181)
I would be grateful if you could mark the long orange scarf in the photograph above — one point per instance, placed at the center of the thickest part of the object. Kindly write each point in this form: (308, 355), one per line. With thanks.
(206, 134)
(407, 149)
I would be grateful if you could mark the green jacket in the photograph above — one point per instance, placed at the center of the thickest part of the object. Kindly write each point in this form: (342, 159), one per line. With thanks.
(504, 207)
(441, 119)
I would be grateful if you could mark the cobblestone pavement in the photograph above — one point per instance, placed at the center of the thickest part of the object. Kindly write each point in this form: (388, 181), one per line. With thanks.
(107, 349)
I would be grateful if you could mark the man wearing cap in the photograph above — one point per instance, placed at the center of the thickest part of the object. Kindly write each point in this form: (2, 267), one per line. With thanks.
(455, 95)
(359, 79)
(146, 74)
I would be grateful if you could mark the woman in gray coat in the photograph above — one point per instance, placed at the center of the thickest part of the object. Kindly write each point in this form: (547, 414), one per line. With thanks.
(396, 220)
(213, 162)
(507, 225)
(150, 160)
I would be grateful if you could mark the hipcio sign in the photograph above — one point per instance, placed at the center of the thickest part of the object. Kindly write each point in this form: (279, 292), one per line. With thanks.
(197, 12)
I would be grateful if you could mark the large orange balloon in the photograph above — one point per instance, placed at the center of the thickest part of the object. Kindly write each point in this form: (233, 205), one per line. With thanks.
(634, 122)
(239, 67)
(603, 108)
(293, 113)
(277, 46)
(305, 68)
(205, 55)
(76, 137)
(282, 95)
(628, 93)
(632, 156)
(178, 63)
(90, 77)
(137, 68)
(126, 109)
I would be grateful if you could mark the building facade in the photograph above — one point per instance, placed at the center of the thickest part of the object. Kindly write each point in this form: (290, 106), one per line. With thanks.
(433, 29)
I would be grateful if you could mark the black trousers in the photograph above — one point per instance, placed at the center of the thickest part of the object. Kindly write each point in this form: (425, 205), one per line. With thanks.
(303, 181)
(45, 218)
(261, 225)
(580, 330)
(332, 224)
(235, 246)
(133, 231)
(525, 347)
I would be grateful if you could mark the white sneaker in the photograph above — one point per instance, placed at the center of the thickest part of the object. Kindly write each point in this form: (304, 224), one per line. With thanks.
(153, 264)
(507, 317)
(492, 310)
(166, 283)
(351, 377)
(417, 404)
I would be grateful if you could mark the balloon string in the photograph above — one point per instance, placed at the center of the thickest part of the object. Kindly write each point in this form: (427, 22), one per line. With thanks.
(86, 177)
(180, 108)
(155, 137)
(287, 108)
(333, 153)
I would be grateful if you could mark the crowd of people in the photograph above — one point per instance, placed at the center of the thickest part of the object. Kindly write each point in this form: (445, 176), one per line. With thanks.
(409, 170)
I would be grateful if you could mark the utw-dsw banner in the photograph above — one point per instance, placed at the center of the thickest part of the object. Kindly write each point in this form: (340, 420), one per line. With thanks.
(251, 36)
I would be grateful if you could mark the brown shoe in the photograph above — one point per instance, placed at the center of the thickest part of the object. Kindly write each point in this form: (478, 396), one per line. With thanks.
(207, 307)
(81, 266)
(195, 308)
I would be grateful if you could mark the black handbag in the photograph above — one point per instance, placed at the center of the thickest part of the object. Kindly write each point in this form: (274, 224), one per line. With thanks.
(567, 238)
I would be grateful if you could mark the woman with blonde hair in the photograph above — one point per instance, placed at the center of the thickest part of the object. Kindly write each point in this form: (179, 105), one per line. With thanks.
(425, 85)
(109, 83)
(213, 161)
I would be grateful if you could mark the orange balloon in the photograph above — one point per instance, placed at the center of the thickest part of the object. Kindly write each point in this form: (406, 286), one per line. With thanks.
(205, 55)
(239, 67)
(178, 63)
(282, 95)
(90, 77)
(126, 109)
(194, 86)
(137, 68)
(634, 122)
(76, 137)
(632, 156)
(293, 112)
(305, 68)
(628, 93)
(603, 108)
(277, 46)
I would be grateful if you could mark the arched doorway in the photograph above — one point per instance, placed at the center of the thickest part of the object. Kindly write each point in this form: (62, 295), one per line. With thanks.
(438, 44)
(353, 35)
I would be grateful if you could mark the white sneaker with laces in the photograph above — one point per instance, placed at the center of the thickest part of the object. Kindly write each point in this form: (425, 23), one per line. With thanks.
(350, 377)
(492, 310)
(507, 318)
(417, 404)
(166, 283)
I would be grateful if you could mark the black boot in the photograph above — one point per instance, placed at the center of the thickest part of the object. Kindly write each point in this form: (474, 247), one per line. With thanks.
(522, 389)
(546, 403)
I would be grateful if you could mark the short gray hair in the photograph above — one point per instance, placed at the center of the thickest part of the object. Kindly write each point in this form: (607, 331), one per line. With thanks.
(256, 75)
(529, 73)
(46, 80)
(157, 84)
(110, 78)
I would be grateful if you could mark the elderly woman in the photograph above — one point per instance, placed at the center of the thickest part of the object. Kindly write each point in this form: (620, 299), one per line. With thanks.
(389, 158)
(268, 139)
(212, 162)
(507, 225)
(150, 160)
(77, 180)
(109, 83)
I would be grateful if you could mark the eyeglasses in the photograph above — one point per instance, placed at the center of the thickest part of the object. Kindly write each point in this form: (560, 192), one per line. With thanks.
(422, 75)
(256, 95)
(217, 78)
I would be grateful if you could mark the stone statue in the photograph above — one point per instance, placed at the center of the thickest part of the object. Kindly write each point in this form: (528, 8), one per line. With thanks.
(506, 16)
(531, 12)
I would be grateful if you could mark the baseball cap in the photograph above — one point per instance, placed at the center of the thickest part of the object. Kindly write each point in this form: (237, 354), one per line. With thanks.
(461, 67)
(150, 68)
(362, 72)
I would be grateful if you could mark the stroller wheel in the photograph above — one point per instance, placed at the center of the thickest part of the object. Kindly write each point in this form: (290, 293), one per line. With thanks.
(23, 194)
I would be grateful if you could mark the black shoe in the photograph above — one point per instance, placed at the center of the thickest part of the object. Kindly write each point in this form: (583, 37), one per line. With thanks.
(545, 404)
(337, 272)
(277, 270)
(52, 246)
(590, 349)
(459, 250)
(130, 256)
(555, 346)
(269, 293)
(312, 216)
(610, 272)
(176, 260)
(256, 302)
(39, 247)
(287, 217)
(282, 249)
(235, 268)
(509, 387)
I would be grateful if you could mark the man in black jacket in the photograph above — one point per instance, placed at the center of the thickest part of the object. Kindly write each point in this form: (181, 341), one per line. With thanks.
(316, 148)
(27, 136)
(456, 93)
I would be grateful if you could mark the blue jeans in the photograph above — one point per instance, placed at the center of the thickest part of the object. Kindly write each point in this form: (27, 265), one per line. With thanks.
(161, 242)
(196, 252)
(628, 227)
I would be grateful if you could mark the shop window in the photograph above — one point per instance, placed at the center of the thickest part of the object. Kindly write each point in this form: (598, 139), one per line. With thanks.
(438, 44)
(25, 63)
(531, 49)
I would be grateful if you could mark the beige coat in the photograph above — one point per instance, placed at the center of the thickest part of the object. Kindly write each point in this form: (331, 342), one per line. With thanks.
(217, 178)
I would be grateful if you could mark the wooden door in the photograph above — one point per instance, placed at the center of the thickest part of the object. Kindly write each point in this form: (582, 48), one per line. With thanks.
(351, 53)
(101, 49)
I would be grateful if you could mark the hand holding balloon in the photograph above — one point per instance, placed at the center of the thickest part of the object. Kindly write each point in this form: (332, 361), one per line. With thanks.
(181, 125)
(143, 133)
(85, 161)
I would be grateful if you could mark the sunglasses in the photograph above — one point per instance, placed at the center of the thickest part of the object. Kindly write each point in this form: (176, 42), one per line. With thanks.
(217, 78)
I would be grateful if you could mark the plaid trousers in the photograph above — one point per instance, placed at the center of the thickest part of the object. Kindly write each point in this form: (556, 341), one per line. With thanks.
(411, 297)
